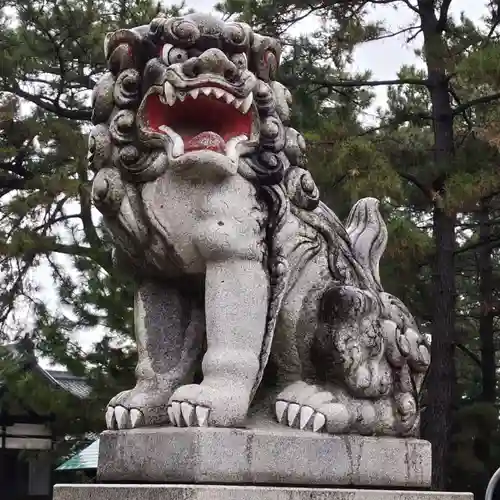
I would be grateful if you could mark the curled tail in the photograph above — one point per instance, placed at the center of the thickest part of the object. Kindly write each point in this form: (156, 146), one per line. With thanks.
(368, 234)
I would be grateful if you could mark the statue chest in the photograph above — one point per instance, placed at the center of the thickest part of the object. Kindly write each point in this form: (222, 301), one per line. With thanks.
(202, 221)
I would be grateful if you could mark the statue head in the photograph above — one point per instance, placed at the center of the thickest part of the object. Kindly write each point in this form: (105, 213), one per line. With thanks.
(193, 90)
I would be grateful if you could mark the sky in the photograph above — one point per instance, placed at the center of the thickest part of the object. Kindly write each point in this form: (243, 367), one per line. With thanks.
(383, 58)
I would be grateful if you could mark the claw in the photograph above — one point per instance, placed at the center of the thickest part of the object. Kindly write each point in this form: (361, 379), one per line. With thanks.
(122, 417)
(110, 418)
(281, 407)
(187, 411)
(136, 418)
(171, 415)
(176, 409)
(306, 412)
(202, 416)
(319, 422)
(293, 410)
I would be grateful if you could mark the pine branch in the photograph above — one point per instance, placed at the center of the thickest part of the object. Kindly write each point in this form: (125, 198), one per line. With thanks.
(494, 242)
(358, 83)
(411, 178)
(470, 354)
(443, 15)
(103, 259)
(394, 34)
(16, 165)
(56, 220)
(10, 183)
(50, 105)
(57, 49)
(474, 102)
(86, 207)
(410, 6)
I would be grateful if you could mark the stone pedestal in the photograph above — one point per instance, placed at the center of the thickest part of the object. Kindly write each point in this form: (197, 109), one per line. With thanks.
(274, 456)
(272, 463)
(207, 492)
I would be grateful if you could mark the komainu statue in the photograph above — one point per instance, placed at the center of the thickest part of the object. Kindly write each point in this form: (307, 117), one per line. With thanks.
(251, 295)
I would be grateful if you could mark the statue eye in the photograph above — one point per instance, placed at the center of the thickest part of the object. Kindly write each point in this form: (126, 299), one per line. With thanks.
(173, 55)
(240, 61)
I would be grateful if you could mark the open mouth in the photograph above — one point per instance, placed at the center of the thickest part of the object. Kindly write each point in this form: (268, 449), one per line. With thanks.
(203, 118)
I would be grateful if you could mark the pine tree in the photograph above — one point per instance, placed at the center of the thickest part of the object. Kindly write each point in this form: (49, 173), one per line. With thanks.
(51, 59)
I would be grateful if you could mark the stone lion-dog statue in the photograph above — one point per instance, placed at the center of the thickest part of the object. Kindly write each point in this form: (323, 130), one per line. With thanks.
(251, 295)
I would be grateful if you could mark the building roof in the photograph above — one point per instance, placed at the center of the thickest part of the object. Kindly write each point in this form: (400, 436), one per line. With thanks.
(71, 383)
(84, 459)
(22, 351)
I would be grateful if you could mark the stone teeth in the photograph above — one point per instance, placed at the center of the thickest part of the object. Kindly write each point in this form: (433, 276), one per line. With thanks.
(206, 90)
(229, 98)
(232, 147)
(219, 93)
(194, 93)
(169, 94)
(247, 102)
(177, 141)
(181, 96)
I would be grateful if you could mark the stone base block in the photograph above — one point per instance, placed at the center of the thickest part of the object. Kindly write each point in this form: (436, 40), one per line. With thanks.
(259, 457)
(198, 492)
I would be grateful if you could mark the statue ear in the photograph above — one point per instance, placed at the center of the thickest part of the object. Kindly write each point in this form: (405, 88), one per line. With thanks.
(122, 50)
(265, 57)
(107, 38)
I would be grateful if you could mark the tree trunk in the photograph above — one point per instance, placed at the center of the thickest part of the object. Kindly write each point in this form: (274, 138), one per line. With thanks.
(486, 319)
(486, 332)
(437, 421)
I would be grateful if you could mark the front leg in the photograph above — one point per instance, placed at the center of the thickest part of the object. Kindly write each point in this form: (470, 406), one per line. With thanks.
(236, 301)
(169, 328)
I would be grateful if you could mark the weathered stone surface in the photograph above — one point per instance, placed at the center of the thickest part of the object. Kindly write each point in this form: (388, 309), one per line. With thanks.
(184, 492)
(253, 456)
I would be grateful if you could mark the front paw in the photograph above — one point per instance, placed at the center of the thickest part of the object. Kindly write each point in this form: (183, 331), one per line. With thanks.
(215, 404)
(138, 407)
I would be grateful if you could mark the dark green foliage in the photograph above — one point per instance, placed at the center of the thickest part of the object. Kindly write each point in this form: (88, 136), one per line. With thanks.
(58, 280)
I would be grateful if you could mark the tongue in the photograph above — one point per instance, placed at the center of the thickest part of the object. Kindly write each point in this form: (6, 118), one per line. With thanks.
(205, 140)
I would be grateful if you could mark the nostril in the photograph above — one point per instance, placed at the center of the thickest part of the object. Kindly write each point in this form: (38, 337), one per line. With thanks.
(196, 70)
(231, 74)
(192, 68)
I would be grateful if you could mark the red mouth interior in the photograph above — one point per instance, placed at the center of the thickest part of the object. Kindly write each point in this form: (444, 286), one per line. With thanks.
(205, 123)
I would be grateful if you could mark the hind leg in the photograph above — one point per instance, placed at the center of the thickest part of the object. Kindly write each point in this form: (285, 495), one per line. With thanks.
(363, 382)
(329, 408)
(169, 328)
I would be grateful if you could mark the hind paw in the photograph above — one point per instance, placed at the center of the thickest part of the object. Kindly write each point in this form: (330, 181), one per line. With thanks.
(308, 407)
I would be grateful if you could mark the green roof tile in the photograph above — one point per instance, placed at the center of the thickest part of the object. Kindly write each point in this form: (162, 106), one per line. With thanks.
(85, 459)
